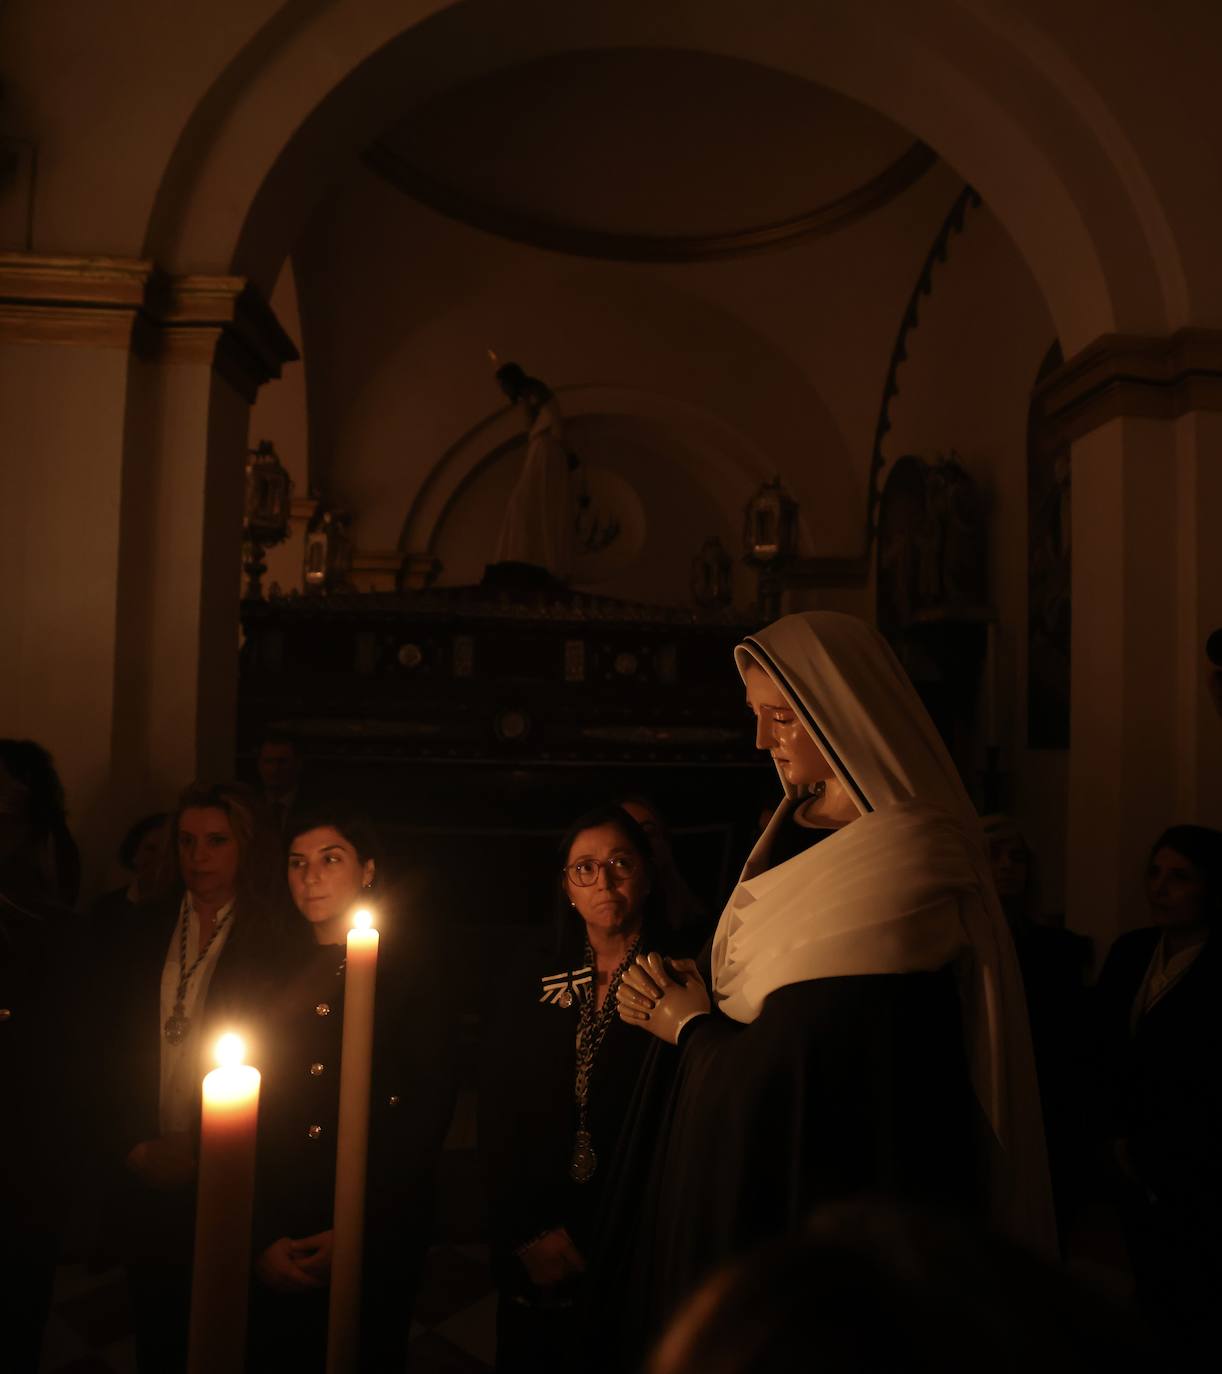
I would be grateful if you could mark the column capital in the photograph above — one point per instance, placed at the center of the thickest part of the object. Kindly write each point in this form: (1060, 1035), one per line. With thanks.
(1138, 375)
(221, 320)
(101, 302)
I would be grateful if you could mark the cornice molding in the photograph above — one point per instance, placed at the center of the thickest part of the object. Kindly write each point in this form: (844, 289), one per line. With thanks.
(1133, 375)
(223, 320)
(99, 302)
(559, 237)
(85, 301)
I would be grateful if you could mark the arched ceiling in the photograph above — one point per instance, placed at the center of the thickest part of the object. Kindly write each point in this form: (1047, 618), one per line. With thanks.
(648, 154)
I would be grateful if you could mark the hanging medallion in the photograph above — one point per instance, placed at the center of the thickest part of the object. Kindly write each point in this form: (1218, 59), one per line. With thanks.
(584, 1161)
(176, 1027)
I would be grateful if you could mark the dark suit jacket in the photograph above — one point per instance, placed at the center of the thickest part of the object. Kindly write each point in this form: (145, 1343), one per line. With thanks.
(126, 962)
(1162, 1082)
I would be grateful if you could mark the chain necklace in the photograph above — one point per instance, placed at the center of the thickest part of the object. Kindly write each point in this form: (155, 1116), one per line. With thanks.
(591, 1028)
(178, 1023)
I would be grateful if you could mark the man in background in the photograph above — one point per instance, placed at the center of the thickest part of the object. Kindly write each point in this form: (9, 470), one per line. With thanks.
(279, 763)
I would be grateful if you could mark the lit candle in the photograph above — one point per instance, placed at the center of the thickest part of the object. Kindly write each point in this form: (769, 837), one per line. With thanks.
(221, 1271)
(360, 975)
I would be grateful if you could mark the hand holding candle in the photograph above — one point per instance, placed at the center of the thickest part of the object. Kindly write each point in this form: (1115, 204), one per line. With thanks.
(360, 975)
(221, 1274)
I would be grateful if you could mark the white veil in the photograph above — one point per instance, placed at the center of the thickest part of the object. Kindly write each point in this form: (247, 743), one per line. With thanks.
(904, 889)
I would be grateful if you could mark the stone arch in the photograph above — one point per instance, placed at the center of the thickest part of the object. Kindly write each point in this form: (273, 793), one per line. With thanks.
(1006, 106)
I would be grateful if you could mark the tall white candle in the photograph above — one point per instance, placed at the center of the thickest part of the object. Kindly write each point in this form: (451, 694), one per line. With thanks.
(356, 1059)
(221, 1270)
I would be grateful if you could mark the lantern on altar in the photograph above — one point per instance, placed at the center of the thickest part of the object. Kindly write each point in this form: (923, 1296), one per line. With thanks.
(328, 550)
(269, 491)
(770, 539)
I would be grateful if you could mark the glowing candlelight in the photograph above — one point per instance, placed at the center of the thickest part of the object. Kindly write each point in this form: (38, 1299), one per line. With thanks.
(221, 1271)
(356, 1058)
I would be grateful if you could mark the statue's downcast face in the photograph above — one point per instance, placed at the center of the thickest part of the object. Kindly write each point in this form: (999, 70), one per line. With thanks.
(778, 729)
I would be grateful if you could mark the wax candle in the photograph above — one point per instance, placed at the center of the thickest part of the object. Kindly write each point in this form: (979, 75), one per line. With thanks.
(356, 1057)
(221, 1271)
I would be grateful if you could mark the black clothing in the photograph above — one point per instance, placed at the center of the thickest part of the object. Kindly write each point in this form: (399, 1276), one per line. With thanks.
(1161, 1094)
(299, 1031)
(40, 1086)
(841, 1086)
(150, 1231)
(527, 1125)
(1054, 964)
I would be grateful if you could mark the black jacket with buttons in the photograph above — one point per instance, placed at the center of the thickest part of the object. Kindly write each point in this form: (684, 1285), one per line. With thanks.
(297, 1046)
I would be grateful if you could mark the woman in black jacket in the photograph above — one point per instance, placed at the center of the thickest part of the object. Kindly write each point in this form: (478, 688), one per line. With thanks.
(157, 977)
(559, 1070)
(1159, 1017)
(334, 866)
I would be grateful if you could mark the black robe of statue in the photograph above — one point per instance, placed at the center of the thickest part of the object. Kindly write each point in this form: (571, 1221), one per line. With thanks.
(840, 1087)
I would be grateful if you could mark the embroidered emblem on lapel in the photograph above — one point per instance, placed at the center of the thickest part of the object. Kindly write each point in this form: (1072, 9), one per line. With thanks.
(563, 989)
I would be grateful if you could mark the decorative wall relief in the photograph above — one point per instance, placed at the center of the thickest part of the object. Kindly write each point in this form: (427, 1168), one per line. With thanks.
(611, 526)
(1048, 581)
(931, 545)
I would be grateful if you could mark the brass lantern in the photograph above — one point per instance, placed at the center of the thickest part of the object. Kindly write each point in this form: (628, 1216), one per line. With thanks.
(770, 531)
(269, 491)
(770, 540)
(328, 550)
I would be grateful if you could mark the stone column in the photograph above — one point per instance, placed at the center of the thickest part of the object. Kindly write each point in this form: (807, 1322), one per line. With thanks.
(124, 399)
(1143, 417)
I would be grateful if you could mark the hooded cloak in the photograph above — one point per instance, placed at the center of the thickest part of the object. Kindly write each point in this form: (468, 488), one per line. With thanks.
(868, 1031)
(904, 889)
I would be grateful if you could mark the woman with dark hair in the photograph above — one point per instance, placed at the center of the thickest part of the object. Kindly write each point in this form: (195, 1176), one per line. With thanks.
(158, 977)
(39, 1040)
(560, 1068)
(45, 850)
(1159, 1016)
(335, 865)
(143, 854)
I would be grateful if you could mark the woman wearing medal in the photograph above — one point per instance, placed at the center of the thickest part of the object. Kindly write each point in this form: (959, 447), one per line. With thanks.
(160, 974)
(560, 1068)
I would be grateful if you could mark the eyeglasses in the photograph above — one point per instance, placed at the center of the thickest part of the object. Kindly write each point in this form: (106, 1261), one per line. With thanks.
(584, 873)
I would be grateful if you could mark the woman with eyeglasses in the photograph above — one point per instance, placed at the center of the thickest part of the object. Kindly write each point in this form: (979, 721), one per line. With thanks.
(560, 1068)
(335, 867)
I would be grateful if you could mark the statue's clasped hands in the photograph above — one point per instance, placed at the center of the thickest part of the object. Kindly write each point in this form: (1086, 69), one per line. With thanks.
(662, 995)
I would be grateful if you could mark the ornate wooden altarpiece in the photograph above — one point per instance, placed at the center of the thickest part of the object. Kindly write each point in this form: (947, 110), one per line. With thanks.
(475, 723)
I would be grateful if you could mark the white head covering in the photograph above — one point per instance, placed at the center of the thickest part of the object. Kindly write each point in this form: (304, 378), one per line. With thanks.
(906, 888)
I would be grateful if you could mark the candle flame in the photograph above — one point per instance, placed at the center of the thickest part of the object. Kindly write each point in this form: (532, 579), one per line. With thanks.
(230, 1050)
(362, 918)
